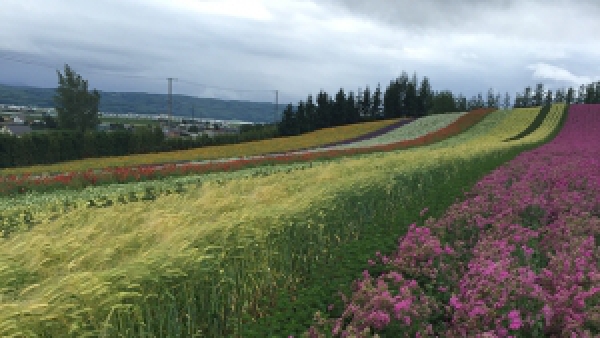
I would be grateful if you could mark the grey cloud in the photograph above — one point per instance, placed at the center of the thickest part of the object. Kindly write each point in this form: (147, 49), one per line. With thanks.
(465, 46)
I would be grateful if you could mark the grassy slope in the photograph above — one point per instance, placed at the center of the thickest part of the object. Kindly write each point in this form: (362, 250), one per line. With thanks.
(75, 254)
(312, 139)
(436, 192)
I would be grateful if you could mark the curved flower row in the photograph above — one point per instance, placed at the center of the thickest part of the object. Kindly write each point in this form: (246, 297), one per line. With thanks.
(517, 258)
(413, 130)
(28, 182)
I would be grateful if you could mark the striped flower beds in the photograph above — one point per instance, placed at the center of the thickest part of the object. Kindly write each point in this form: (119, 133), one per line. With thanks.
(413, 130)
(24, 183)
(371, 135)
(518, 258)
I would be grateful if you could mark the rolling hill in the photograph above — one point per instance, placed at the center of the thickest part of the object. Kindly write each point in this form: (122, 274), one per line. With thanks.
(152, 104)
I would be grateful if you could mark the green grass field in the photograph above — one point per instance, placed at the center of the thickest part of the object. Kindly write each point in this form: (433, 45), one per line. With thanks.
(244, 257)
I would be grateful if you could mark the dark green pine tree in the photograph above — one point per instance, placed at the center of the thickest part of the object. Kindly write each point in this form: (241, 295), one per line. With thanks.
(570, 96)
(527, 101)
(581, 94)
(491, 99)
(590, 94)
(340, 101)
(560, 96)
(376, 106)
(461, 103)
(366, 104)
(392, 101)
(311, 113)
(538, 98)
(548, 99)
(443, 102)
(351, 109)
(519, 101)
(425, 102)
(411, 99)
(480, 102)
(301, 119)
(287, 124)
(323, 110)
(506, 101)
(472, 103)
(402, 84)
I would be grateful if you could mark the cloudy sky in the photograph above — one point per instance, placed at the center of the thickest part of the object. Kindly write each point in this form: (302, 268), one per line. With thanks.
(246, 49)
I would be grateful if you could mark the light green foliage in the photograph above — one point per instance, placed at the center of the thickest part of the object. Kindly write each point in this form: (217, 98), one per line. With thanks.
(413, 130)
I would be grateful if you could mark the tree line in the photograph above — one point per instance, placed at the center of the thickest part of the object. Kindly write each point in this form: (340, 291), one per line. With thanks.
(76, 136)
(404, 97)
(407, 97)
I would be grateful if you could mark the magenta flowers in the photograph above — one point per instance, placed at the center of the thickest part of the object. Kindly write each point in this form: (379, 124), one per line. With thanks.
(518, 257)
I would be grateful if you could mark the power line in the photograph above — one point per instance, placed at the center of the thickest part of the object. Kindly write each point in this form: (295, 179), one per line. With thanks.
(224, 88)
(37, 63)
(41, 64)
(47, 65)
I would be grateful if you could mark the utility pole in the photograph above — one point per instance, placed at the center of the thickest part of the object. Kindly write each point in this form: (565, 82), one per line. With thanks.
(276, 105)
(170, 79)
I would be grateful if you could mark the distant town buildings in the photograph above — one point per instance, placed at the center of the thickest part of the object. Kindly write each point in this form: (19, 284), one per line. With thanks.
(16, 117)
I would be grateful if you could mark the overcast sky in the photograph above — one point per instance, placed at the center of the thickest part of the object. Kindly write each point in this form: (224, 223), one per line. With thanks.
(299, 47)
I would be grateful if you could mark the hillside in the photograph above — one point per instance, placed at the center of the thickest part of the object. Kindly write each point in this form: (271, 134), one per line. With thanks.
(145, 103)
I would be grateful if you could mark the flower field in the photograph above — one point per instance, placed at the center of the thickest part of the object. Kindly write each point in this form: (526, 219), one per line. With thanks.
(25, 183)
(518, 257)
(309, 140)
(252, 253)
(413, 130)
(369, 135)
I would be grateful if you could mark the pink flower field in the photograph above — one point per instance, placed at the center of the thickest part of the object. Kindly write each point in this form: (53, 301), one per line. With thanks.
(517, 258)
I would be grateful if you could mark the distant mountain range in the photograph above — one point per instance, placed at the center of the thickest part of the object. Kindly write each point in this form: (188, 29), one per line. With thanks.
(152, 104)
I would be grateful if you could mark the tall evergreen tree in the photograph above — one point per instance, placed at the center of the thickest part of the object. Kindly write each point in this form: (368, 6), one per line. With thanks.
(480, 101)
(391, 100)
(311, 113)
(590, 94)
(338, 108)
(377, 101)
(581, 94)
(506, 101)
(472, 103)
(520, 101)
(497, 100)
(425, 97)
(323, 110)
(76, 107)
(302, 125)
(527, 101)
(560, 96)
(366, 104)
(491, 99)
(461, 103)
(351, 109)
(539, 95)
(570, 95)
(444, 102)
(411, 99)
(548, 99)
(401, 89)
(287, 124)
